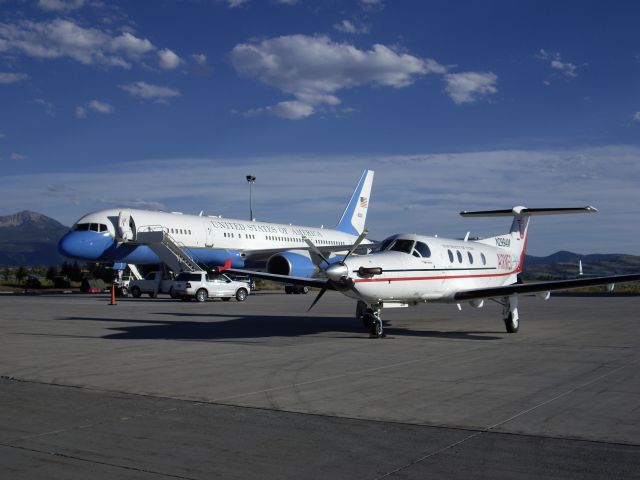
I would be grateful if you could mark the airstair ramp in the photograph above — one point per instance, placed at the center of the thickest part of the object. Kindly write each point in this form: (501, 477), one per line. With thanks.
(171, 252)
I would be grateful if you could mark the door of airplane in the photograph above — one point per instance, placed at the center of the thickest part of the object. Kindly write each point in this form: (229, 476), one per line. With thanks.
(126, 226)
(209, 236)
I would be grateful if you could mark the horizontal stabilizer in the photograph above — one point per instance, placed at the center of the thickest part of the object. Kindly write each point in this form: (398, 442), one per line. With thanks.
(528, 211)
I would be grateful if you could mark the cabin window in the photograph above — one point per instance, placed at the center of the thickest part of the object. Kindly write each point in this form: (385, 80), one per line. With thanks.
(450, 256)
(483, 258)
(470, 258)
(402, 245)
(459, 256)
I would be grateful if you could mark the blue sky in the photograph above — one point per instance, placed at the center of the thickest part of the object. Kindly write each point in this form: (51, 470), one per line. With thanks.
(456, 105)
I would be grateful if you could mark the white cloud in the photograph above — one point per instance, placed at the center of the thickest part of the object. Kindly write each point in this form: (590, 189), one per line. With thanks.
(314, 69)
(12, 77)
(49, 108)
(345, 26)
(636, 117)
(286, 2)
(291, 110)
(168, 59)
(468, 87)
(236, 3)
(60, 5)
(63, 38)
(199, 58)
(96, 106)
(371, 4)
(17, 156)
(566, 70)
(149, 91)
(606, 177)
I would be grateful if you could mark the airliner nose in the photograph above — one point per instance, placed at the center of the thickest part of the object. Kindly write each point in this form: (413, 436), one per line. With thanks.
(83, 245)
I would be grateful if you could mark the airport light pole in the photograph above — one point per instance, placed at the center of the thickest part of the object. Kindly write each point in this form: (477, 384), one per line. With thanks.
(251, 179)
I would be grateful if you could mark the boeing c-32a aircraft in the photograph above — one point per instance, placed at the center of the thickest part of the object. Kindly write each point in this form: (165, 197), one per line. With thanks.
(408, 269)
(196, 241)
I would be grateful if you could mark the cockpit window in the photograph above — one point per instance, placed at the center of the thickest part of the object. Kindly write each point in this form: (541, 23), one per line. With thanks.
(82, 227)
(401, 245)
(94, 227)
(422, 249)
(385, 244)
(103, 228)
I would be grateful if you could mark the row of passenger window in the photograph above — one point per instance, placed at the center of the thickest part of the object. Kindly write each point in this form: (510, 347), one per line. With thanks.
(469, 256)
(233, 235)
(94, 227)
(180, 231)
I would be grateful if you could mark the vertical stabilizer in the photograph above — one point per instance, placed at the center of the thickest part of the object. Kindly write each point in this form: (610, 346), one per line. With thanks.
(355, 214)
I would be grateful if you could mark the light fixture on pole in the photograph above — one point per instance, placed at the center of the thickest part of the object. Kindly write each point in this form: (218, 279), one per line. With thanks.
(251, 179)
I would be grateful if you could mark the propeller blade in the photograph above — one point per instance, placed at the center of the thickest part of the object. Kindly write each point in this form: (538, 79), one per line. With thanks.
(315, 249)
(318, 297)
(356, 244)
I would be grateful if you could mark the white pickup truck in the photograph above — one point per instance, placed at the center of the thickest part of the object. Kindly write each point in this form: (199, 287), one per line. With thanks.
(153, 283)
(203, 285)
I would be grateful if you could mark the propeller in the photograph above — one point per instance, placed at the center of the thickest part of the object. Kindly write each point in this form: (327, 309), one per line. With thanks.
(337, 273)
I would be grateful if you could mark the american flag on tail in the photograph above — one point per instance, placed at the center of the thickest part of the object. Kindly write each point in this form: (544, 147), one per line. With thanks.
(364, 202)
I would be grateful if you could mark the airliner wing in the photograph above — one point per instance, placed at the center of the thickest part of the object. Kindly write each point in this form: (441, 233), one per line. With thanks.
(534, 287)
(308, 282)
(265, 253)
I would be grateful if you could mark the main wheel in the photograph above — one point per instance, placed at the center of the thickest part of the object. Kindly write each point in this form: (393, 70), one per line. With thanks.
(125, 291)
(368, 320)
(304, 290)
(241, 295)
(202, 295)
(287, 289)
(512, 325)
(136, 292)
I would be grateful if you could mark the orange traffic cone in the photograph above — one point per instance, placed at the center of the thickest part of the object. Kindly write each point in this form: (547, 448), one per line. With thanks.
(113, 294)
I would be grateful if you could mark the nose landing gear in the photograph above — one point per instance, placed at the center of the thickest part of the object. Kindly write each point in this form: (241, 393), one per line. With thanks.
(371, 319)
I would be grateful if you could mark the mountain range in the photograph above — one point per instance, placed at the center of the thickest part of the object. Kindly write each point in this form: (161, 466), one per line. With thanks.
(31, 238)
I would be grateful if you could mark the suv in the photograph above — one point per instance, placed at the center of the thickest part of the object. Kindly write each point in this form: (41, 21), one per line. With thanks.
(202, 285)
(153, 283)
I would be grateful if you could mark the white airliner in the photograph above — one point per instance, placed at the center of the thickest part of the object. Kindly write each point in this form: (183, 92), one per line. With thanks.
(408, 269)
(129, 236)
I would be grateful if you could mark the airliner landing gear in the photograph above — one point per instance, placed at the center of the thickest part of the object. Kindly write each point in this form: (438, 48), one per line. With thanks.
(510, 314)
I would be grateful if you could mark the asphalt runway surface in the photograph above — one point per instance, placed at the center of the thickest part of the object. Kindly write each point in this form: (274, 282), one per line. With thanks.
(261, 389)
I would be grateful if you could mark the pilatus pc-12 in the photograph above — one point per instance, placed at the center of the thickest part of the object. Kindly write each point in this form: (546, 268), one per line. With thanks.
(408, 270)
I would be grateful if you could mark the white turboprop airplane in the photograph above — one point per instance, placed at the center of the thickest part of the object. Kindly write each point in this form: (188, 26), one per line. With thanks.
(137, 237)
(408, 269)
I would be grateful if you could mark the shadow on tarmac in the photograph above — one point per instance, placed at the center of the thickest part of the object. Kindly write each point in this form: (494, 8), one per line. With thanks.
(260, 326)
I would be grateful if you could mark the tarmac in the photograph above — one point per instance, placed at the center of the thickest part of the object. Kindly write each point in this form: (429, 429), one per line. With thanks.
(157, 388)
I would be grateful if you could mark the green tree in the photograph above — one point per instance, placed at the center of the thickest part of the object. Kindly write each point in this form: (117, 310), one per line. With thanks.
(52, 272)
(6, 273)
(21, 274)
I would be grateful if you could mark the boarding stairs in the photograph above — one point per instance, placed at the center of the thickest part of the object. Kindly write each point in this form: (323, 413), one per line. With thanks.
(171, 252)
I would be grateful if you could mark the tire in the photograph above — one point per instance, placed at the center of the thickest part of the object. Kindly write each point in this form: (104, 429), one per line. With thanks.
(511, 326)
(125, 291)
(376, 328)
(172, 294)
(241, 295)
(136, 292)
(202, 295)
(287, 289)
(368, 320)
(304, 290)
(226, 299)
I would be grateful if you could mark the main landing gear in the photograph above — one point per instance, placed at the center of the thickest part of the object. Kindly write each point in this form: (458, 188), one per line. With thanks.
(510, 314)
(371, 319)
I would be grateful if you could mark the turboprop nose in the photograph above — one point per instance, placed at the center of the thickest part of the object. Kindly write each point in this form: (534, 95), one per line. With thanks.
(83, 245)
(337, 271)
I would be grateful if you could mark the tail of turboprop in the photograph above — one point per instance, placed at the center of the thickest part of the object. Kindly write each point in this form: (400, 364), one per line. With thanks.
(515, 242)
(355, 214)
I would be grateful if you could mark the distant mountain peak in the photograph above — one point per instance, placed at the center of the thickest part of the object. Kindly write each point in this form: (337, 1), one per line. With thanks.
(27, 217)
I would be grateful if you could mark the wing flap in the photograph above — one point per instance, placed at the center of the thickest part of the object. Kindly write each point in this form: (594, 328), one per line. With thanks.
(524, 288)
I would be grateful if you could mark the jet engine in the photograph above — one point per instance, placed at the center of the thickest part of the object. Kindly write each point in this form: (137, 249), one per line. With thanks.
(296, 263)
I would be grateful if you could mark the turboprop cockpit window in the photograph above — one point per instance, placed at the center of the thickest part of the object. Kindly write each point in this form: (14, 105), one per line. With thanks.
(385, 244)
(422, 249)
(401, 245)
